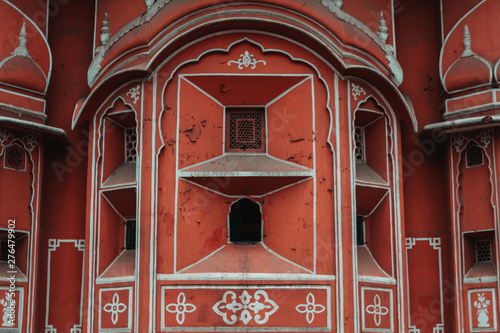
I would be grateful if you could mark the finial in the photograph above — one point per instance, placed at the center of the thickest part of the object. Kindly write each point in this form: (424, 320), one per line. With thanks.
(105, 30)
(467, 43)
(22, 50)
(149, 3)
(382, 28)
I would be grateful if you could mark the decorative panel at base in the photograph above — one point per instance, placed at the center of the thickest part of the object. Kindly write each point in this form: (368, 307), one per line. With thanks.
(12, 304)
(246, 308)
(115, 309)
(482, 310)
(377, 310)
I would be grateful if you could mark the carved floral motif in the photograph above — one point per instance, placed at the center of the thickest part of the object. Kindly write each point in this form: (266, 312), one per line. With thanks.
(180, 308)
(231, 310)
(310, 308)
(377, 310)
(246, 59)
(115, 308)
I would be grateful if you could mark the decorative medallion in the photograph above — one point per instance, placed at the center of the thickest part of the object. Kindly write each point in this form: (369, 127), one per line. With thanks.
(246, 59)
(115, 308)
(377, 310)
(357, 91)
(231, 310)
(134, 93)
(180, 308)
(310, 308)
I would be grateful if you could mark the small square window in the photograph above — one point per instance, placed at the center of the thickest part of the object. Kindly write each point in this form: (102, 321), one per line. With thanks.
(14, 158)
(245, 130)
(483, 250)
(130, 231)
(474, 156)
(359, 141)
(360, 230)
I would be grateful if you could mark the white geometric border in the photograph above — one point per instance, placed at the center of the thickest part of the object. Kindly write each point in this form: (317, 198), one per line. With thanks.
(435, 242)
(327, 288)
(19, 316)
(494, 314)
(130, 313)
(391, 310)
(53, 245)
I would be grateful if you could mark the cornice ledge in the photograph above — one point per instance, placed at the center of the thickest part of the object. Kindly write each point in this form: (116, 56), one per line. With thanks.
(394, 66)
(95, 65)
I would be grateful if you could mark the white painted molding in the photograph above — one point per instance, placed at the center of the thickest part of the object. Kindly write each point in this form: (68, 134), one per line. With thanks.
(394, 66)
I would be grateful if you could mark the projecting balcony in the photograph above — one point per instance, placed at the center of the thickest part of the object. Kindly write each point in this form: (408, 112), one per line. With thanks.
(245, 174)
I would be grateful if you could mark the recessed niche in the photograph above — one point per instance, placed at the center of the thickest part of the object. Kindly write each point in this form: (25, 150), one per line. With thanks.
(119, 148)
(480, 256)
(370, 143)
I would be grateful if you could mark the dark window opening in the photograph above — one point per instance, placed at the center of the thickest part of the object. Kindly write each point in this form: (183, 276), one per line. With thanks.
(130, 145)
(4, 250)
(130, 235)
(245, 130)
(14, 158)
(359, 141)
(245, 224)
(483, 250)
(474, 156)
(360, 230)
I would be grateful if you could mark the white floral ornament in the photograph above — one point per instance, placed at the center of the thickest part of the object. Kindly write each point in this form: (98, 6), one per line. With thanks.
(246, 59)
(180, 308)
(482, 310)
(134, 93)
(249, 310)
(377, 310)
(310, 308)
(115, 308)
(357, 91)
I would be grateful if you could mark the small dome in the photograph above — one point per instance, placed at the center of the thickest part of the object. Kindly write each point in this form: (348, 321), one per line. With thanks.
(22, 72)
(468, 72)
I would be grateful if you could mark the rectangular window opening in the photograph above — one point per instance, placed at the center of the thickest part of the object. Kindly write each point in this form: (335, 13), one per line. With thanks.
(130, 235)
(245, 129)
(360, 230)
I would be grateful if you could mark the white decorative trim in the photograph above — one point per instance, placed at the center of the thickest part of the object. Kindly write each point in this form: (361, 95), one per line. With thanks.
(31, 140)
(382, 28)
(246, 59)
(245, 288)
(115, 308)
(53, 244)
(134, 93)
(18, 315)
(458, 141)
(435, 243)
(249, 310)
(116, 303)
(357, 90)
(484, 137)
(377, 310)
(5, 137)
(95, 66)
(180, 308)
(479, 304)
(243, 276)
(467, 43)
(310, 308)
(394, 66)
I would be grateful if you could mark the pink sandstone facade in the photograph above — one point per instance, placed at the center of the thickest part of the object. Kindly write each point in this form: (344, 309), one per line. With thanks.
(249, 166)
